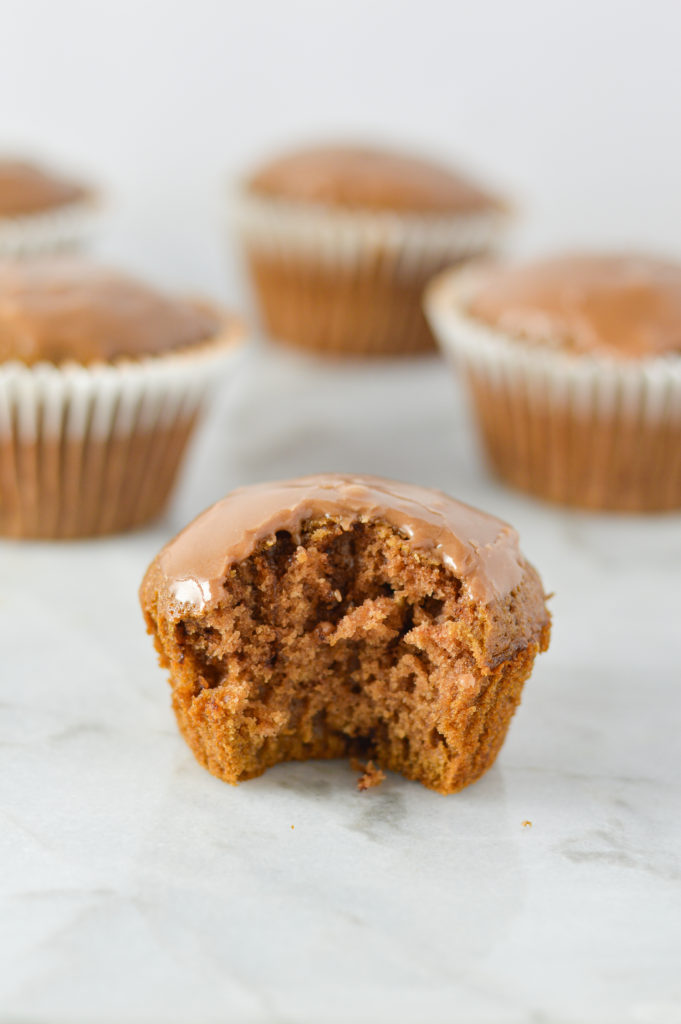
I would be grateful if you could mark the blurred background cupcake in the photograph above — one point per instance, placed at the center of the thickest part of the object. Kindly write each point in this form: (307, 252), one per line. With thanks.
(42, 212)
(340, 241)
(574, 370)
(102, 381)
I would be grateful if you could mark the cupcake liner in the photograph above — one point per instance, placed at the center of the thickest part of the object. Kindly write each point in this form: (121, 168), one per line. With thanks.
(347, 281)
(66, 227)
(338, 236)
(580, 430)
(88, 450)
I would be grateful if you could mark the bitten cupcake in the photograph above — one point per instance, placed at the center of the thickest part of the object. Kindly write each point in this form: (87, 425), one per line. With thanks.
(42, 212)
(343, 616)
(340, 241)
(102, 380)
(574, 367)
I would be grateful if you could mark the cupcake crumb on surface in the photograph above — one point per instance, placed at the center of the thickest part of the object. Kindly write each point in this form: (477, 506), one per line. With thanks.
(371, 775)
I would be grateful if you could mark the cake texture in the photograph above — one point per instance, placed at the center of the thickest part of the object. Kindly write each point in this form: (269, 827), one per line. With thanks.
(41, 211)
(341, 616)
(340, 241)
(574, 370)
(102, 381)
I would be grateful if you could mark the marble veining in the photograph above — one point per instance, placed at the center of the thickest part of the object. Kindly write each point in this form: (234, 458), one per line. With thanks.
(136, 887)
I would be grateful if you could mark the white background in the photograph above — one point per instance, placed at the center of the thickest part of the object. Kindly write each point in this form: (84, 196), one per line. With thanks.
(573, 107)
(136, 888)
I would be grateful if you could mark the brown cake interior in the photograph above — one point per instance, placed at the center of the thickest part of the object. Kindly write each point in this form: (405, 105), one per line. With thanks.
(348, 643)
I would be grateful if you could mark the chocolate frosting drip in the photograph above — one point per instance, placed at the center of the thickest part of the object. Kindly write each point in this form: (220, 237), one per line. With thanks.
(478, 548)
(625, 306)
(62, 310)
(26, 188)
(366, 178)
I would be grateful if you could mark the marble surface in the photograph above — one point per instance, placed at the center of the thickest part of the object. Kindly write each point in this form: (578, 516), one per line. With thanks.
(134, 887)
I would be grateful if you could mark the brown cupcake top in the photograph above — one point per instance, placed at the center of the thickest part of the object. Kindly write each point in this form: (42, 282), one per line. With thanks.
(68, 310)
(361, 177)
(28, 188)
(478, 548)
(626, 306)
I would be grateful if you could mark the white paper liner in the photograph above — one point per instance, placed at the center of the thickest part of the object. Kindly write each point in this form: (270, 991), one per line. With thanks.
(341, 238)
(109, 399)
(73, 438)
(588, 385)
(70, 226)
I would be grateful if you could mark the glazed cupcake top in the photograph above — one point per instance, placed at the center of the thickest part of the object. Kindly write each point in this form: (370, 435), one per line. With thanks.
(68, 310)
(625, 306)
(480, 549)
(365, 178)
(28, 188)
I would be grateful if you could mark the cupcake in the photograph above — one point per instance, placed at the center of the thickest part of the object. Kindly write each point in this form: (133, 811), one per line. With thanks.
(41, 212)
(574, 370)
(102, 380)
(340, 242)
(340, 616)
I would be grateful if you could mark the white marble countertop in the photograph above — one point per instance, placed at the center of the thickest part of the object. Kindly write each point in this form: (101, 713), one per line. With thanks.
(134, 887)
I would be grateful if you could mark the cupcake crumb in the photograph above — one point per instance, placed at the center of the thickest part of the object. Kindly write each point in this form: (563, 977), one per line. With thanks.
(371, 774)
(330, 679)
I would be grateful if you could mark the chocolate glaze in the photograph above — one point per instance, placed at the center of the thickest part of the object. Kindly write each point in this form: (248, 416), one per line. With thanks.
(62, 310)
(367, 178)
(26, 188)
(616, 305)
(478, 548)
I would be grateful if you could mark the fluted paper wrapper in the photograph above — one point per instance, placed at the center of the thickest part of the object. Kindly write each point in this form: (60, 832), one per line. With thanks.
(590, 432)
(86, 451)
(348, 282)
(46, 232)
